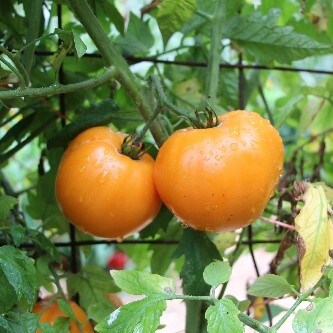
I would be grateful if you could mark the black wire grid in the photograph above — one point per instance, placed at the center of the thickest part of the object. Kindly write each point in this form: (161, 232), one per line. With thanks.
(73, 243)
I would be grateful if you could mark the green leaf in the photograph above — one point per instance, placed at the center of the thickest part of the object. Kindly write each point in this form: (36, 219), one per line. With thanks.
(65, 36)
(6, 204)
(43, 272)
(20, 272)
(8, 294)
(173, 14)
(45, 246)
(19, 322)
(223, 318)
(241, 305)
(43, 204)
(100, 310)
(199, 251)
(47, 328)
(317, 317)
(62, 325)
(79, 45)
(143, 283)
(217, 273)
(66, 308)
(263, 39)
(18, 233)
(141, 316)
(315, 229)
(161, 257)
(271, 285)
(4, 325)
(138, 38)
(161, 221)
(92, 284)
(284, 112)
(100, 115)
(115, 17)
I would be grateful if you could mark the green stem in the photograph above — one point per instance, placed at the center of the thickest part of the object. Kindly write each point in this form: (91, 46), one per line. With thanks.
(232, 260)
(59, 89)
(205, 15)
(15, 71)
(164, 100)
(147, 125)
(215, 51)
(193, 317)
(299, 300)
(34, 42)
(255, 324)
(56, 280)
(23, 73)
(34, 19)
(112, 57)
(245, 319)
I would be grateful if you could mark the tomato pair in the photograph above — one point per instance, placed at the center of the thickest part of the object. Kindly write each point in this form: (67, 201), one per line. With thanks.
(213, 179)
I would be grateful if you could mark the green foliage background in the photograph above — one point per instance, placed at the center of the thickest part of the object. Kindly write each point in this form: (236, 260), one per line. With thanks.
(275, 58)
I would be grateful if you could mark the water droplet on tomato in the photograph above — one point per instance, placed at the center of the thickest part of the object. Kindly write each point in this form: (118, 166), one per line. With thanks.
(218, 157)
(234, 146)
(103, 177)
(82, 168)
(81, 198)
(183, 224)
(208, 208)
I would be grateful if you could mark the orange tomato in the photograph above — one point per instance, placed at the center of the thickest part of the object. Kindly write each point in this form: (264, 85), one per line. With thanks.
(221, 178)
(51, 311)
(103, 192)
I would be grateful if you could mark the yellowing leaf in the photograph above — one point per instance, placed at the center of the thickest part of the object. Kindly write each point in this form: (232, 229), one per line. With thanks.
(315, 229)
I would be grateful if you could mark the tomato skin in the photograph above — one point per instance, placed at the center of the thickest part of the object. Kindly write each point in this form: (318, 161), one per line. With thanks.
(220, 179)
(103, 192)
(50, 312)
(117, 260)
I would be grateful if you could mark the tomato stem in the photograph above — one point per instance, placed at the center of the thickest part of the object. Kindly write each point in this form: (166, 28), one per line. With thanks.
(133, 148)
(163, 100)
(213, 70)
(111, 56)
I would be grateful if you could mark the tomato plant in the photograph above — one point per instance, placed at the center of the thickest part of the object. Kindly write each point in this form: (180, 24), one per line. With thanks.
(76, 75)
(220, 178)
(49, 312)
(103, 192)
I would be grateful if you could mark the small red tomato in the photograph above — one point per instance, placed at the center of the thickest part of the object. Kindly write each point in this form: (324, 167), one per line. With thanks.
(117, 261)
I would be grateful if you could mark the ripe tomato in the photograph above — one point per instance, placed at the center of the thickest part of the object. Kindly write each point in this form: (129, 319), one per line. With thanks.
(117, 260)
(220, 178)
(103, 192)
(50, 312)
